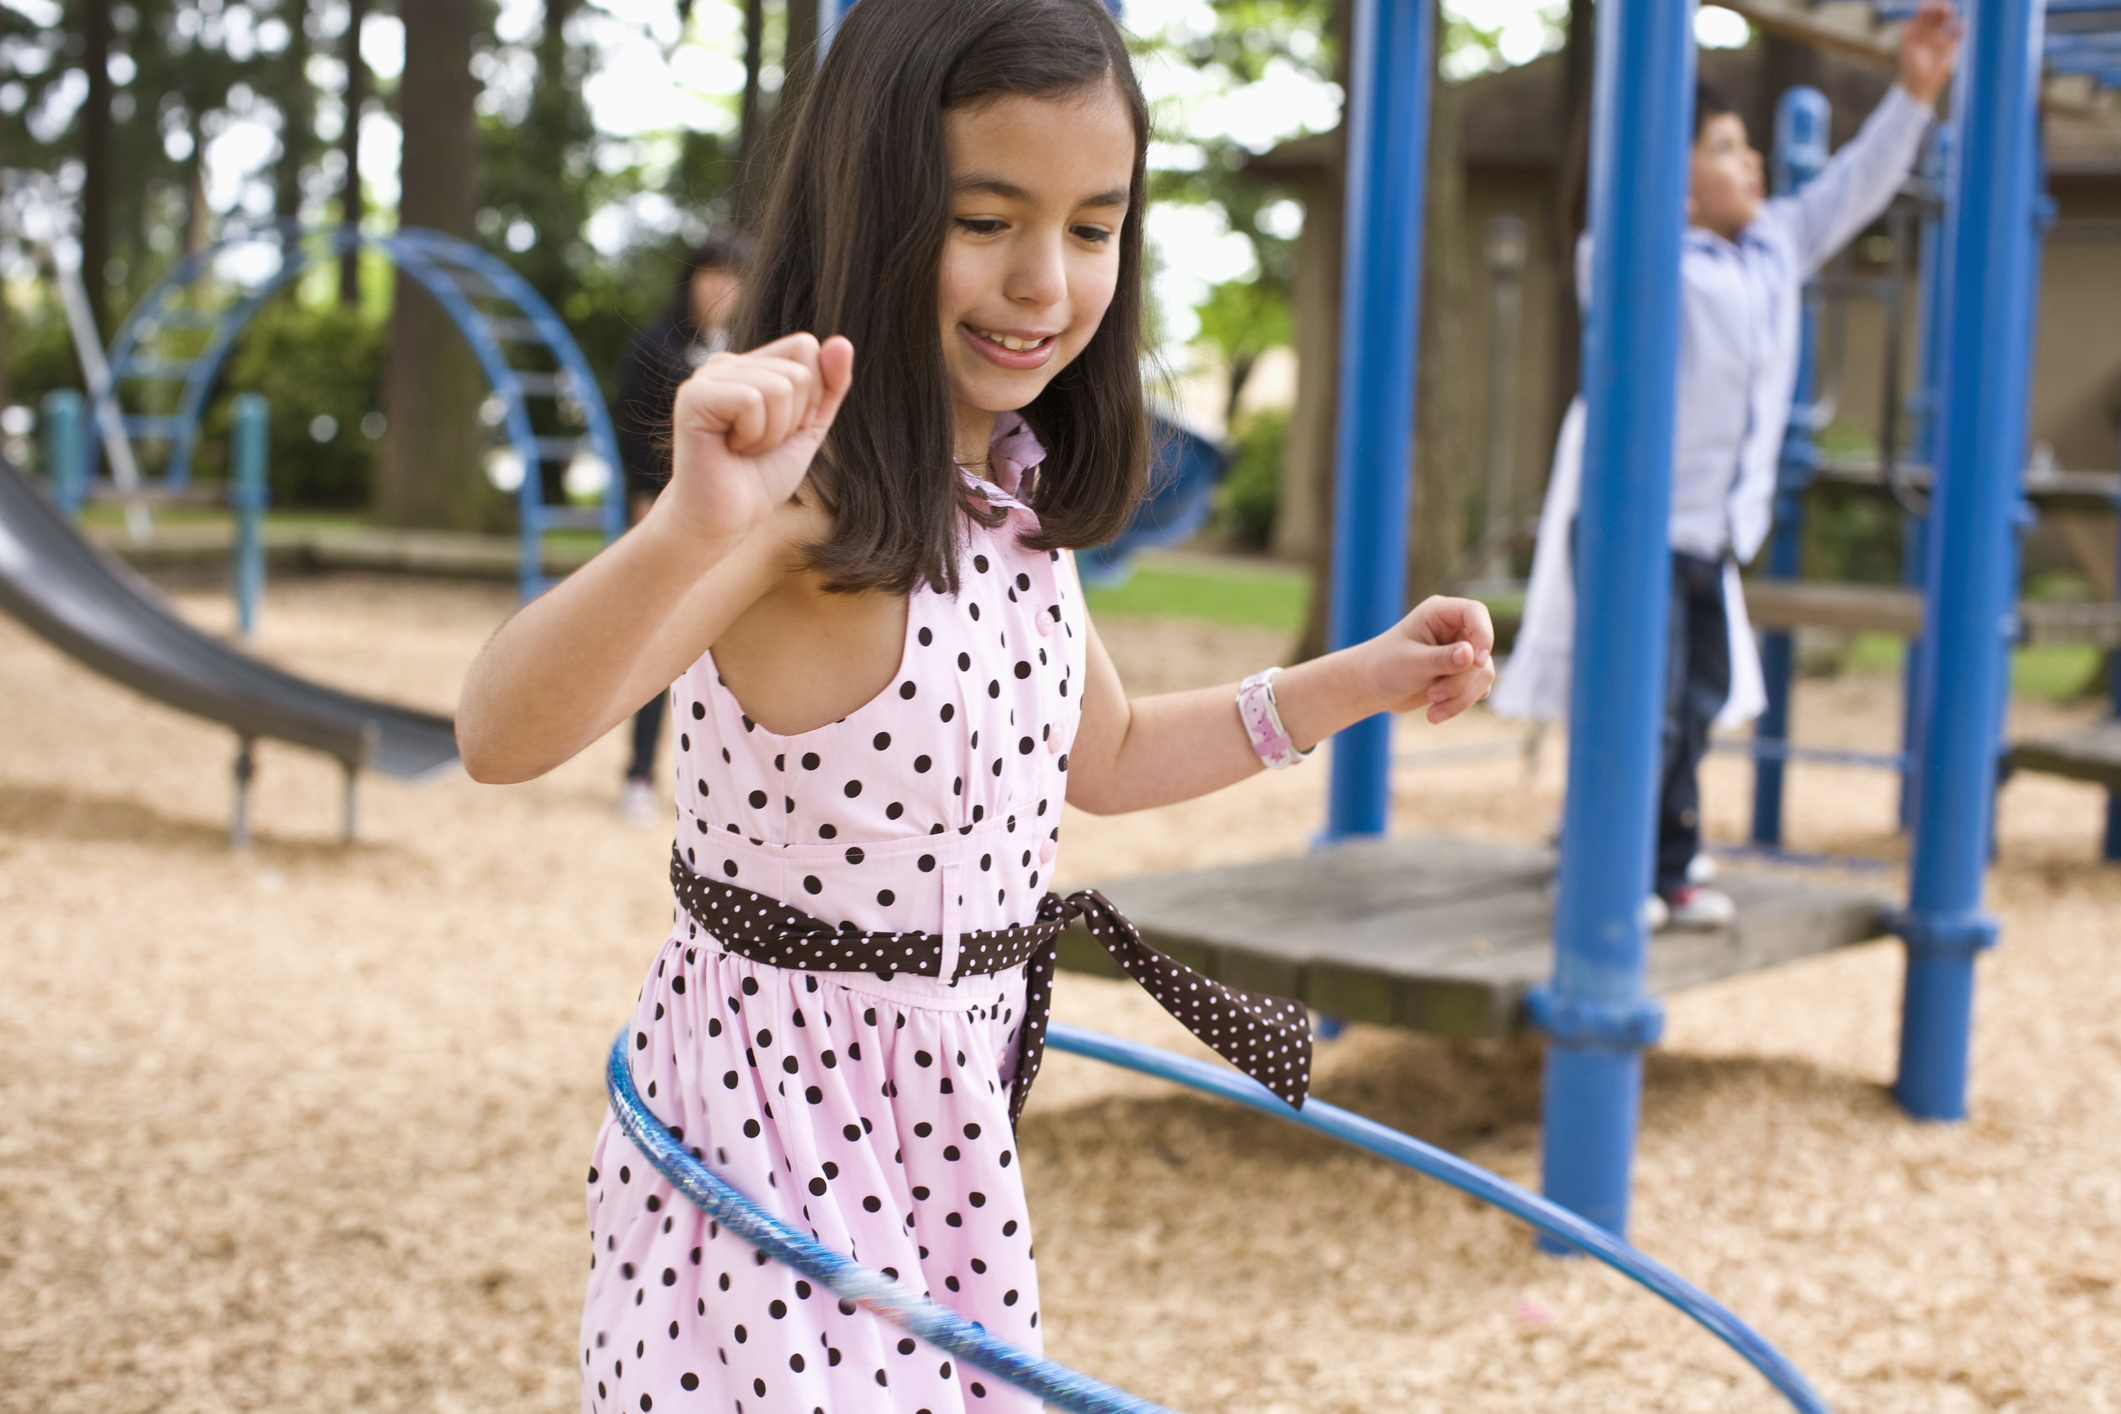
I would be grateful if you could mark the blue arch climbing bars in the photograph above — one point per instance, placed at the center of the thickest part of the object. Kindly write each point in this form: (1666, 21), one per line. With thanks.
(1070, 1390)
(511, 329)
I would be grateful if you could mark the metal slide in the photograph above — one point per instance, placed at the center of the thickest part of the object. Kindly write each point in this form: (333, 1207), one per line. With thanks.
(100, 612)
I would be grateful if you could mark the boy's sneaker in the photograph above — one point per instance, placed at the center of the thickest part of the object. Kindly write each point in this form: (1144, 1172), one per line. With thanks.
(1656, 913)
(1701, 869)
(1691, 906)
(638, 804)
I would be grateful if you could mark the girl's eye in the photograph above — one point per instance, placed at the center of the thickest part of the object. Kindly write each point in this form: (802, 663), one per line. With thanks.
(1096, 235)
(979, 225)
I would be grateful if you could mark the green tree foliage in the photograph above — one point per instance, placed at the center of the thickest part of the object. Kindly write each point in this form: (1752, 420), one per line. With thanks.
(1241, 318)
(186, 72)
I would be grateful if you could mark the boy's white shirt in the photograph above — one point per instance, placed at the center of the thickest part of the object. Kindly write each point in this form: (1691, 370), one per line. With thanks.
(1739, 313)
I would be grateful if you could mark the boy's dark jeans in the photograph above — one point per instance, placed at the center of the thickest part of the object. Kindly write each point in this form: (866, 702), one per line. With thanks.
(1697, 680)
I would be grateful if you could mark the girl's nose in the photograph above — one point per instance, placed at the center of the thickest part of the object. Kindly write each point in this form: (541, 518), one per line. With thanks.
(1040, 278)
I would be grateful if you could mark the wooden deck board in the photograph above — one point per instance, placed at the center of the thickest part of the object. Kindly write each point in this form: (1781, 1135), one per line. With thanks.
(1438, 933)
(2093, 754)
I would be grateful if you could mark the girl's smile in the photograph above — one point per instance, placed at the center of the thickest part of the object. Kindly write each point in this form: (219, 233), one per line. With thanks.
(1014, 349)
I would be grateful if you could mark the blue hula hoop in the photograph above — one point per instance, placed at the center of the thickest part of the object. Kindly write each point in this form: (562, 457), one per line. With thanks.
(1079, 1393)
(938, 1325)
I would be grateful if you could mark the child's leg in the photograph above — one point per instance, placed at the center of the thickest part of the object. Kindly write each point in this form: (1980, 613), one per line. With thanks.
(647, 727)
(1697, 679)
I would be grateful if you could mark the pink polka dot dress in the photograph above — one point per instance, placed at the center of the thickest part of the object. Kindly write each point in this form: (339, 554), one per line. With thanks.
(871, 1114)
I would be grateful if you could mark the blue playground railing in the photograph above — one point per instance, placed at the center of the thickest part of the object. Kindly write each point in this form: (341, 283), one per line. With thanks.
(1067, 1389)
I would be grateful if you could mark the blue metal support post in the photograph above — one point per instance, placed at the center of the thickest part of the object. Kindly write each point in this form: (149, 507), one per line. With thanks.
(1801, 116)
(248, 496)
(1380, 326)
(1922, 448)
(1594, 1011)
(1980, 441)
(64, 454)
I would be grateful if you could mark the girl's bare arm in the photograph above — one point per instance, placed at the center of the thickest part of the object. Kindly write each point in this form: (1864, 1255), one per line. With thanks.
(579, 660)
(1130, 755)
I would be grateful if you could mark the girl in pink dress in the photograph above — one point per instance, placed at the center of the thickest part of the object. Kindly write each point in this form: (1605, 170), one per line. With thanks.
(885, 686)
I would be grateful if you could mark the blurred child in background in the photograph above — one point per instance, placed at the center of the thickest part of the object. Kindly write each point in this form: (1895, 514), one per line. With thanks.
(693, 326)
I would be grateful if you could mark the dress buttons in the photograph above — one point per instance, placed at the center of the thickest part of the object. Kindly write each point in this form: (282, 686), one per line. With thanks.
(1046, 851)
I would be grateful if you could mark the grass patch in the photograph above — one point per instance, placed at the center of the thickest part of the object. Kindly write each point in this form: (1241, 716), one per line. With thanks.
(2058, 672)
(1249, 597)
(2051, 672)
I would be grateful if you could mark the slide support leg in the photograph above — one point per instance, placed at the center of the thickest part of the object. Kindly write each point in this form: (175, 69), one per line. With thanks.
(246, 769)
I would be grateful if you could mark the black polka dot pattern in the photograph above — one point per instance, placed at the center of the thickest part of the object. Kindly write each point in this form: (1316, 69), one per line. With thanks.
(840, 1021)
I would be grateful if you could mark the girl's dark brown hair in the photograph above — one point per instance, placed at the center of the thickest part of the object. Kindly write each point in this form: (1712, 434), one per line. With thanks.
(852, 243)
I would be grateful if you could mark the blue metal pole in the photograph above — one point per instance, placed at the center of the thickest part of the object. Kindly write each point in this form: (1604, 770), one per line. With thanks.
(248, 495)
(1594, 1011)
(1801, 117)
(1922, 448)
(1388, 148)
(63, 450)
(1981, 433)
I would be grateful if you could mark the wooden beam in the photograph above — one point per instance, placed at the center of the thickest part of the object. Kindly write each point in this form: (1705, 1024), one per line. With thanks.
(1789, 22)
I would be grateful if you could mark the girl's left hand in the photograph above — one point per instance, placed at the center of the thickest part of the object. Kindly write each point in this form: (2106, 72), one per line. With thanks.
(1442, 655)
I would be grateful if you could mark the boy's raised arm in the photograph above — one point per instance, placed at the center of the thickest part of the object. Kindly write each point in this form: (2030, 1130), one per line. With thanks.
(1859, 183)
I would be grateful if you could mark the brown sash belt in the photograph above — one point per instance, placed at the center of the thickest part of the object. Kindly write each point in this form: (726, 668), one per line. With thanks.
(1268, 1038)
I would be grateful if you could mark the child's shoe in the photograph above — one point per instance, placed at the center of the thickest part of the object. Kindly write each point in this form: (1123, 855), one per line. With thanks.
(638, 805)
(1691, 906)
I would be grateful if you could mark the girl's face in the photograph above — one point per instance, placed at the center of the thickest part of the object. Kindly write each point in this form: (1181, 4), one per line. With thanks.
(1039, 192)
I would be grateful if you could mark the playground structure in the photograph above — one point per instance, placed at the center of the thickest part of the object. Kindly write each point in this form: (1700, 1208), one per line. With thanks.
(182, 331)
(181, 334)
(1595, 1004)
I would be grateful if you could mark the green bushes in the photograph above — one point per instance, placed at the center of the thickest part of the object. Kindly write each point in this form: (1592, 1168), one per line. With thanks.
(320, 366)
(1251, 493)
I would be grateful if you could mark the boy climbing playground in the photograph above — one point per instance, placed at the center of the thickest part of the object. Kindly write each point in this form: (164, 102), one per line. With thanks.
(1743, 265)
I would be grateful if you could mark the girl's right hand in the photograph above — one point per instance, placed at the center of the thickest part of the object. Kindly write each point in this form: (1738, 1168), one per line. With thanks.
(745, 429)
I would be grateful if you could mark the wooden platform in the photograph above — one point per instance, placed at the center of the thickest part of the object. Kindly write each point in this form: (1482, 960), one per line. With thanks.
(1884, 608)
(1439, 934)
(2093, 754)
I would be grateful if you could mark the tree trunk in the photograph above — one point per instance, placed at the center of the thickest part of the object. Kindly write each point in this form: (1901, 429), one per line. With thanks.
(96, 157)
(1571, 192)
(1303, 521)
(298, 131)
(1444, 451)
(798, 62)
(351, 204)
(431, 457)
(750, 133)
